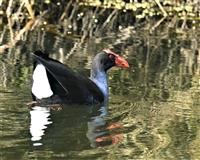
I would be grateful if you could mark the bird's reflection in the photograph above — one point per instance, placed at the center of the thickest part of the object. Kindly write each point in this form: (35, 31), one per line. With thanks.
(100, 133)
(71, 126)
(93, 125)
(39, 121)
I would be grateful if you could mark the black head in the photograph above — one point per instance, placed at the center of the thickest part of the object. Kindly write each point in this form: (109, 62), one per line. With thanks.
(108, 59)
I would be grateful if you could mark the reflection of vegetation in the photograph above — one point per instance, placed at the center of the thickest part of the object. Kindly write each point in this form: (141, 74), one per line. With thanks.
(157, 100)
(155, 70)
(89, 18)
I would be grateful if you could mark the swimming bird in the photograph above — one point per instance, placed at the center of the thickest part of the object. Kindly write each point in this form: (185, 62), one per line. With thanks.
(56, 82)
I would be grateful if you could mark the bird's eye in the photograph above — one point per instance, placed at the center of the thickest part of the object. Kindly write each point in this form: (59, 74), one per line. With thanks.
(111, 56)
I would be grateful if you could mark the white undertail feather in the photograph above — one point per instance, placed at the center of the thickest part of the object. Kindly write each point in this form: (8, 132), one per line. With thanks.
(41, 87)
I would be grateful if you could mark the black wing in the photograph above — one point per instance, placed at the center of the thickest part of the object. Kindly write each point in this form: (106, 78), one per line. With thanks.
(66, 83)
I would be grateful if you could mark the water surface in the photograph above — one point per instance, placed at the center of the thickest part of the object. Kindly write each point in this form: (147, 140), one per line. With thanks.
(153, 111)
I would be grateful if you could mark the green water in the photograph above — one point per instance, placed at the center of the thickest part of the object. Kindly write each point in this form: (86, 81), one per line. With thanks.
(153, 111)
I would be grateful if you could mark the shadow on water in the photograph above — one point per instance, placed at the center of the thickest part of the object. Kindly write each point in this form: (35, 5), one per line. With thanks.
(153, 109)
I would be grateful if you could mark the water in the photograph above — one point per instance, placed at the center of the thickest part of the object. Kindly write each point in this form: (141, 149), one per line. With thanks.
(153, 112)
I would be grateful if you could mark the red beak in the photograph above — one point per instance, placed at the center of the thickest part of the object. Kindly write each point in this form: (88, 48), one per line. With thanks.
(121, 62)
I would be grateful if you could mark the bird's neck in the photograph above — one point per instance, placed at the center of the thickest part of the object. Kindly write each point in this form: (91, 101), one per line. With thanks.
(99, 77)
